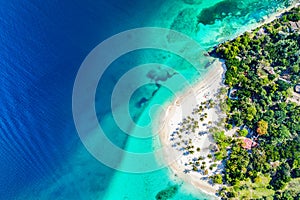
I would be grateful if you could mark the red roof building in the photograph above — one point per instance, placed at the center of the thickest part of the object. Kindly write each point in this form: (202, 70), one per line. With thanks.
(248, 144)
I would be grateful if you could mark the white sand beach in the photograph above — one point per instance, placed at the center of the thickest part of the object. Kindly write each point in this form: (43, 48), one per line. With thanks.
(185, 103)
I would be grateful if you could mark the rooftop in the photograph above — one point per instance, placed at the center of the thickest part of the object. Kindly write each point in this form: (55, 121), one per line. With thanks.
(247, 143)
(295, 25)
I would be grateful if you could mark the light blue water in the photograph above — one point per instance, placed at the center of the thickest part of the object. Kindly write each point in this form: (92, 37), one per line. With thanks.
(43, 43)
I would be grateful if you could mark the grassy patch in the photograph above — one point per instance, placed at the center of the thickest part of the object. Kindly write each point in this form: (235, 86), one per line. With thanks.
(252, 190)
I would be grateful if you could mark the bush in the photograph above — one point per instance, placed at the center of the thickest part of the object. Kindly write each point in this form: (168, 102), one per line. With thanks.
(243, 132)
(262, 127)
(258, 179)
(217, 179)
(229, 126)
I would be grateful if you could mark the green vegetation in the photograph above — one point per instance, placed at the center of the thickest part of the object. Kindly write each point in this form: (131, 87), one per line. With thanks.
(236, 165)
(249, 189)
(223, 143)
(262, 68)
(262, 127)
(243, 132)
(217, 179)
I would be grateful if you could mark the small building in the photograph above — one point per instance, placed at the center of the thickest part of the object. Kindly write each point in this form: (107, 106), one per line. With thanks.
(297, 88)
(248, 144)
(295, 26)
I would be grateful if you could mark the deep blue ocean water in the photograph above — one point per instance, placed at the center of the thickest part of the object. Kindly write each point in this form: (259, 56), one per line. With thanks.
(43, 44)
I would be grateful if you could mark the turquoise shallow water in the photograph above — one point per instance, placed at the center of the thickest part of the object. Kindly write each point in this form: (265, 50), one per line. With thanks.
(41, 154)
(220, 21)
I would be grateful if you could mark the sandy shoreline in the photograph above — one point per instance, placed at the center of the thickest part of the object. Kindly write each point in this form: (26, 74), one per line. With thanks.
(202, 91)
(269, 18)
(272, 17)
(205, 89)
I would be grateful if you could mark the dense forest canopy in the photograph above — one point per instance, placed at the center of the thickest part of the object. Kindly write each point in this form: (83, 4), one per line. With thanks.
(264, 68)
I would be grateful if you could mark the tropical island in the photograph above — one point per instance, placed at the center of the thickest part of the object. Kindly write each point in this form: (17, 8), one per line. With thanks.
(242, 140)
